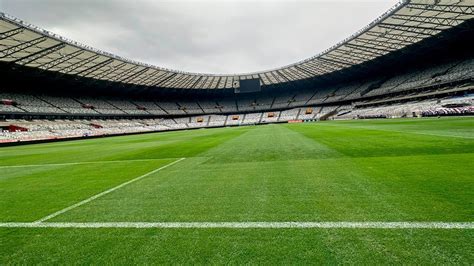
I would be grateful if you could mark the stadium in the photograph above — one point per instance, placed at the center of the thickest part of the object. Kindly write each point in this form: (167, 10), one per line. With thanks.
(361, 154)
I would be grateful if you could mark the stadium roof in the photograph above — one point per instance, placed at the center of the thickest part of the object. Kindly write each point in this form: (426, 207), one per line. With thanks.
(407, 23)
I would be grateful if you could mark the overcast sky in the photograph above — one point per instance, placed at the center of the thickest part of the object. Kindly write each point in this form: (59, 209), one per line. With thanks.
(221, 36)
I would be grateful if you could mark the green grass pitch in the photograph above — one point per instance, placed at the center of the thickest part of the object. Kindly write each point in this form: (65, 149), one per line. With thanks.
(412, 170)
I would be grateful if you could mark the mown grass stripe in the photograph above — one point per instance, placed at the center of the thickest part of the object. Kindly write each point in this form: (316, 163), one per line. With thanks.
(79, 163)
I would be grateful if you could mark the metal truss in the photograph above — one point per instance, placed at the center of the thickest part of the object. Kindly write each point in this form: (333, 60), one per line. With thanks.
(156, 79)
(53, 63)
(78, 65)
(95, 67)
(322, 66)
(277, 76)
(184, 82)
(11, 33)
(102, 74)
(165, 79)
(200, 82)
(372, 50)
(22, 46)
(120, 74)
(455, 9)
(378, 44)
(339, 62)
(405, 24)
(187, 80)
(40, 54)
(349, 56)
(438, 21)
(127, 79)
(394, 38)
(417, 30)
(171, 82)
(146, 79)
(193, 82)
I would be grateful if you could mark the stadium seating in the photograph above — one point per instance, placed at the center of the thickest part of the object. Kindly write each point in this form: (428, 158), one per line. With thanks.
(46, 129)
(384, 97)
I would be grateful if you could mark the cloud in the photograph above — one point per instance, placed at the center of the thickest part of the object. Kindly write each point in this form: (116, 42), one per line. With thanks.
(225, 36)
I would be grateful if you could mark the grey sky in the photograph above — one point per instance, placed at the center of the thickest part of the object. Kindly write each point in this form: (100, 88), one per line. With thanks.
(221, 36)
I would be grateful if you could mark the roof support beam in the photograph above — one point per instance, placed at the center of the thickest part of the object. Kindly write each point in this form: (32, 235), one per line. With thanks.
(277, 77)
(271, 79)
(294, 73)
(303, 67)
(427, 32)
(372, 50)
(10, 33)
(400, 16)
(201, 82)
(165, 79)
(322, 67)
(298, 72)
(146, 79)
(188, 80)
(441, 22)
(390, 47)
(78, 65)
(285, 78)
(355, 55)
(104, 73)
(205, 84)
(286, 74)
(455, 9)
(157, 78)
(185, 84)
(86, 71)
(221, 83)
(263, 78)
(20, 47)
(218, 81)
(197, 83)
(119, 75)
(351, 56)
(168, 82)
(208, 82)
(306, 80)
(178, 82)
(58, 61)
(337, 61)
(132, 76)
(405, 39)
(35, 56)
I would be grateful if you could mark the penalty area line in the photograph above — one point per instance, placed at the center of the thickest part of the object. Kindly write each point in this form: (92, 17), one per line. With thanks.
(248, 225)
(104, 193)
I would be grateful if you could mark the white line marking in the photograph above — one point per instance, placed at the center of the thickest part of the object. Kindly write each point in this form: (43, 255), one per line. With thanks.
(77, 163)
(105, 192)
(248, 225)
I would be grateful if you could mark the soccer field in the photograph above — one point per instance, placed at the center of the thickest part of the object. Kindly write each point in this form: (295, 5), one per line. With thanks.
(374, 191)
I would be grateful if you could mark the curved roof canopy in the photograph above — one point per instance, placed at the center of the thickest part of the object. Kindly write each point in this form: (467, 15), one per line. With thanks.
(406, 23)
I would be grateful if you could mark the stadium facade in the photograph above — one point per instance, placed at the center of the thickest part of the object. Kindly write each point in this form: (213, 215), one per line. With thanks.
(414, 60)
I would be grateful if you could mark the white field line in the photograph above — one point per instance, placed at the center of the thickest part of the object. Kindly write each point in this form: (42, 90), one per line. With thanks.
(78, 163)
(105, 192)
(248, 225)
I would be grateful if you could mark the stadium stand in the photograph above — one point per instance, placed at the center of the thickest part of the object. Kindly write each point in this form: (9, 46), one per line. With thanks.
(415, 60)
